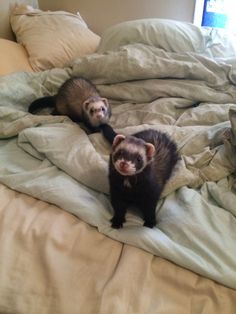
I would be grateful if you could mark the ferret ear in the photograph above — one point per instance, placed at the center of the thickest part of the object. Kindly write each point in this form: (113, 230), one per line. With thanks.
(85, 104)
(117, 140)
(150, 150)
(105, 102)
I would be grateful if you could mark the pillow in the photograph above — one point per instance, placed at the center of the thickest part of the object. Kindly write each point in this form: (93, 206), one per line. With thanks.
(13, 57)
(166, 34)
(52, 39)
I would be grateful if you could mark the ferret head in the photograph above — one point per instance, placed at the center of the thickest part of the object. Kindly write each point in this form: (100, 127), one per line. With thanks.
(130, 155)
(97, 111)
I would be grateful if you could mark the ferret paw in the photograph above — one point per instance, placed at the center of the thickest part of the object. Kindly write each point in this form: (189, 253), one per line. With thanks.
(149, 224)
(116, 223)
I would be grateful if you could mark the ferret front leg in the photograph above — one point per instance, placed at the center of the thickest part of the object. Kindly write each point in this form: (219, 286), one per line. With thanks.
(149, 212)
(118, 218)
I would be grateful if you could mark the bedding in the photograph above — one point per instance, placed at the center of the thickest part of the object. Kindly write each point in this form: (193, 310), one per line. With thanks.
(54, 160)
(13, 57)
(5, 9)
(52, 39)
(55, 263)
(171, 36)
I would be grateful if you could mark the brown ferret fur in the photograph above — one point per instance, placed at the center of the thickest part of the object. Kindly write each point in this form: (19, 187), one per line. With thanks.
(78, 99)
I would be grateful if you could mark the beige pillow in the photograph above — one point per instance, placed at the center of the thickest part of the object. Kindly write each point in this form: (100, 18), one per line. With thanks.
(52, 39)
(13, 57)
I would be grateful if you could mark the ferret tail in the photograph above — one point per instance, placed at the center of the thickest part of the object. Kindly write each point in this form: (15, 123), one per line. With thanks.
(108, 132)
(40, 103)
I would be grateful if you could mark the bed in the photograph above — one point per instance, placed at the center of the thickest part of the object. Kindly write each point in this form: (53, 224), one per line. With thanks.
(58, 251)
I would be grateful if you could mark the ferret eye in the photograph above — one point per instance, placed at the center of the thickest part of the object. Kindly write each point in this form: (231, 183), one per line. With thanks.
(139, 159)
(103, 109)
(120, 153)
(91, 111)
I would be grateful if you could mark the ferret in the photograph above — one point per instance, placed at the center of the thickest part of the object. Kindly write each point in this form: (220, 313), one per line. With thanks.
(78, 99)
(139, 167)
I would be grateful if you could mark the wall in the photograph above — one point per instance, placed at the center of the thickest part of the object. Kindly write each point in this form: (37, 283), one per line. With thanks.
(99, 14)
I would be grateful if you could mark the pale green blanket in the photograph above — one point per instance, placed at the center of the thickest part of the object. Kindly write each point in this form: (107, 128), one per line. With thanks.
(54, 160)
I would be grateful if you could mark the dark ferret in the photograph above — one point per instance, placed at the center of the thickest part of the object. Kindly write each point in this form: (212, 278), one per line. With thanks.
(79, 99)
(139, 167)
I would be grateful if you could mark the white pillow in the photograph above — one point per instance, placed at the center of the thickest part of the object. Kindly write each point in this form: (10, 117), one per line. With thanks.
(52, 39)
(170, 35)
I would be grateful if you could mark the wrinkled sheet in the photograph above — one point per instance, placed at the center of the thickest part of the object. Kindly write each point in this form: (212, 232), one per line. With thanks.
(54, 160)
(55, 263)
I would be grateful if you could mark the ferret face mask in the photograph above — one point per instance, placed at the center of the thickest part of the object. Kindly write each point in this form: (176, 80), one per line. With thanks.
(131, 155)
(98, 111)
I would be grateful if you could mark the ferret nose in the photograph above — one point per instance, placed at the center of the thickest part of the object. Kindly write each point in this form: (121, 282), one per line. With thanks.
(123, 165)
(99, 114)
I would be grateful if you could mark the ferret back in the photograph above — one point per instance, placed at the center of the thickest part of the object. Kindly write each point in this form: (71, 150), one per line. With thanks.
(76, 89)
